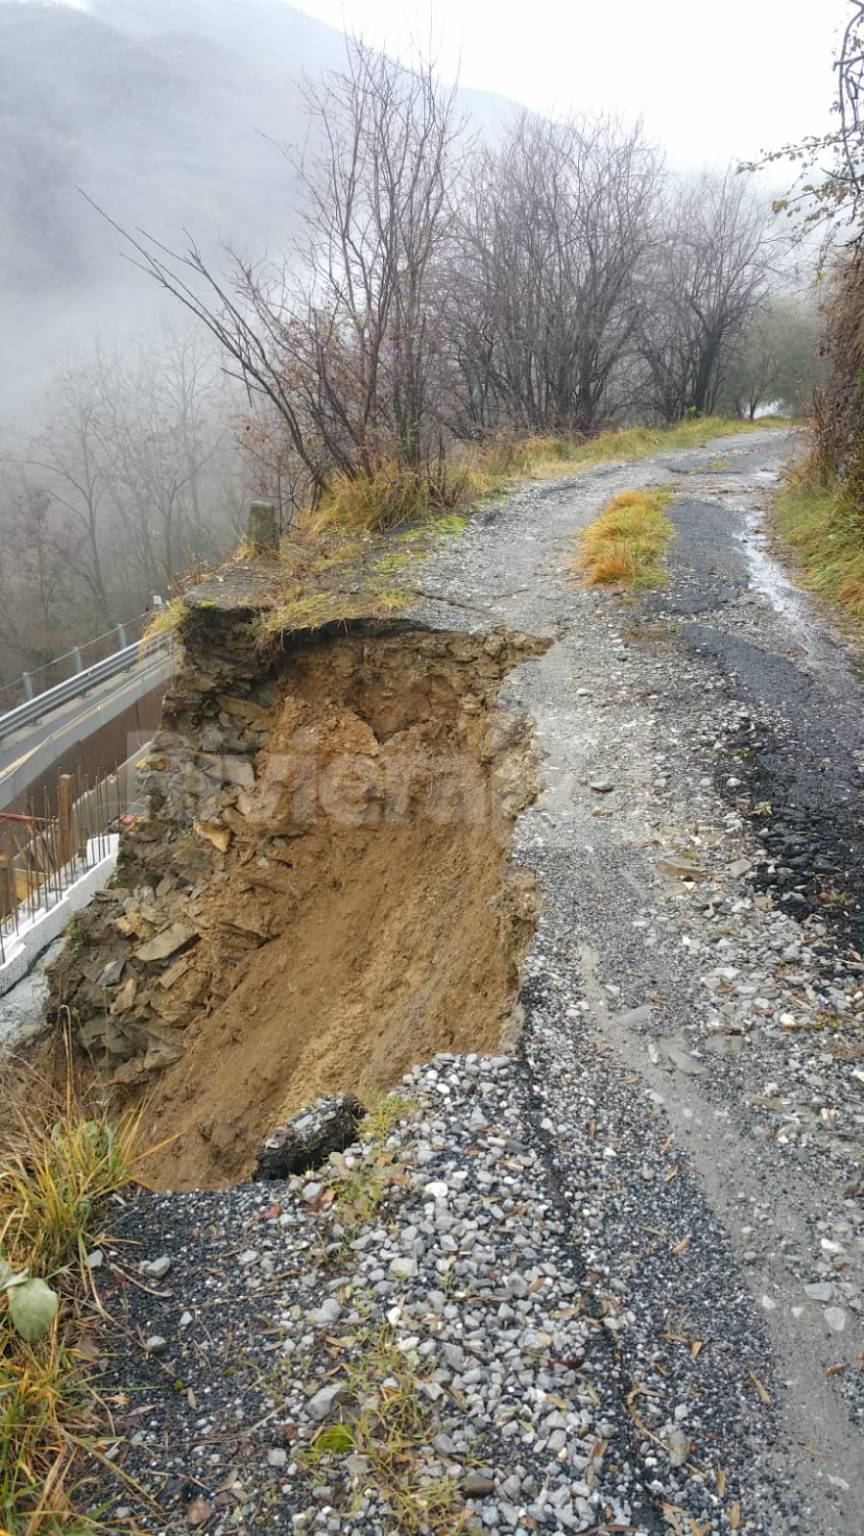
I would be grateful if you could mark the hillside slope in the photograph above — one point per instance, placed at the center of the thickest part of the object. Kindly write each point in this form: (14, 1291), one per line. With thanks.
(169, 114)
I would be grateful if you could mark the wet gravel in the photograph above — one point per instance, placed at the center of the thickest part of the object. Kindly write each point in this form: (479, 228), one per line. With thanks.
(628, 1260)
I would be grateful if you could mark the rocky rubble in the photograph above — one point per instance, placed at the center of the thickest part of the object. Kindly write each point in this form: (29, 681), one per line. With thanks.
(280, 1311)
(229, 806)
(329, 1125)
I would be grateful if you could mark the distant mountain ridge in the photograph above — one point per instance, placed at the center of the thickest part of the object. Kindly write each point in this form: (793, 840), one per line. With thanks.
(165, 113)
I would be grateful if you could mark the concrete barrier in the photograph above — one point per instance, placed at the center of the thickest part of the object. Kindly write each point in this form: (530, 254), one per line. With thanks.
(34, 936)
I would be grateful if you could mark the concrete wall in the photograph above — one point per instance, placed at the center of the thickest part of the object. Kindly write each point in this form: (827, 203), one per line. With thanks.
(23, 948)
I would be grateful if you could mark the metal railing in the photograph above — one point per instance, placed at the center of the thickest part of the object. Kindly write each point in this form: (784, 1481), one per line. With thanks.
(41, 856)
(34, 708)
(79, 659)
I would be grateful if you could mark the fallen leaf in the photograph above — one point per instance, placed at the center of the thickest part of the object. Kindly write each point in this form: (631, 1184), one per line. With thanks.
(671, 1172)
(762, 1393)
(682, 1246)
(735, 1516)
(199, 1511)
(696, 1348)
(836, 1370)
(721, 1480)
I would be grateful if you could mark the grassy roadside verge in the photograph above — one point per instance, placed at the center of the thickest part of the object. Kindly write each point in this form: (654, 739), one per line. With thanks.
(546, 457)
(625, 544)
(394, 496)
(825, 532)
(343, 560)
(59, 1162)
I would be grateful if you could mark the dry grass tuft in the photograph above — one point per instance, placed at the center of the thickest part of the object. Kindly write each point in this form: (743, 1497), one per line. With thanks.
(393, 495)
(509, 457)
(60, 1159)
(164, 621)
(625, 544)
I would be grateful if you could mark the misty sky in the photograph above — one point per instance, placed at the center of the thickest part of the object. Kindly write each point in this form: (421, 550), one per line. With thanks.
(712, 82)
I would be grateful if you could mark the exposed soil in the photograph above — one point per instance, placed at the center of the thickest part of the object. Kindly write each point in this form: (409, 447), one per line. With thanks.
(364, 917)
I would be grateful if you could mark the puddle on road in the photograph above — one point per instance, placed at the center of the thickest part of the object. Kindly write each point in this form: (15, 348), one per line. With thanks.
(768, 578)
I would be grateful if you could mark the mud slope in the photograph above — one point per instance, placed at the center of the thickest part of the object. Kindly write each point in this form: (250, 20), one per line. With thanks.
(357, 914)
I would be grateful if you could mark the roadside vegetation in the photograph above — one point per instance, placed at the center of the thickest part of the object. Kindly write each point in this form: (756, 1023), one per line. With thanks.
(61, 1158)
(391, 1425)
(455, 313)
(625, 545)
(824, 527)
(457, 317)
(819, 512)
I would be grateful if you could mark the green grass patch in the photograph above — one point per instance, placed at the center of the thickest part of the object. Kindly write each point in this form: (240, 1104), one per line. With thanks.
(825, 529)
(389, 1422)
(359, 1186)
(331, 575)
(59, 1162)
(624, 546)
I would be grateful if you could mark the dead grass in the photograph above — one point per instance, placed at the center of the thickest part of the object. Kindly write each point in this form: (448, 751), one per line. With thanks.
(391, 496)
(394, 496)
(625, 544)
(60, 1159)
(164, 622)
(825, 529)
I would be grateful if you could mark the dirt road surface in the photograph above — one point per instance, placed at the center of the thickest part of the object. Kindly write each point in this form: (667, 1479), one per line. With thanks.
(690, 1080)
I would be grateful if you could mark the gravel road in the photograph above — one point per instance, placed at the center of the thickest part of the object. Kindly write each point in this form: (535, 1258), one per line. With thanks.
(626, 1263)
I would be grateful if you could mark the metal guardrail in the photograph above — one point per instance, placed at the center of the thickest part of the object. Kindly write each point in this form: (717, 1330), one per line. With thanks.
(39, 679)
(34, 709)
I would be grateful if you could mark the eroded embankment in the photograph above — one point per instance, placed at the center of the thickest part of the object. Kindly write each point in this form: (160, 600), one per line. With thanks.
(320, 896)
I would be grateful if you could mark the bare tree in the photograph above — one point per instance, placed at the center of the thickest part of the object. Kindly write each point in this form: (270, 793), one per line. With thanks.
(341, 341)
(132, 474)
(709, 272)
(40, 596)
(160, 428)
(66, 454)
(553, 228)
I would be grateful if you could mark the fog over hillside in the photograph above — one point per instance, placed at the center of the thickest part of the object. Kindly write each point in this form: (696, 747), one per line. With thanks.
(441, 277)
(169, 114)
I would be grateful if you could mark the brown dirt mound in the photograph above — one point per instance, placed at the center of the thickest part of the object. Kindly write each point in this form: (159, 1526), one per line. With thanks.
(362, 915)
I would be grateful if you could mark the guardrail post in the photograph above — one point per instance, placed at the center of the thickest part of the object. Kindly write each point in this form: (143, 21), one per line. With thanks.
(28, 685)
(76, 659)
(64, 817)
(120, 632)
